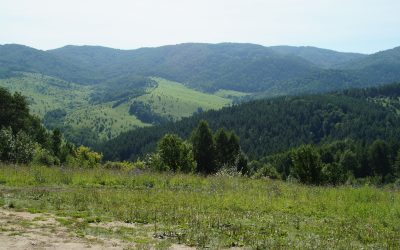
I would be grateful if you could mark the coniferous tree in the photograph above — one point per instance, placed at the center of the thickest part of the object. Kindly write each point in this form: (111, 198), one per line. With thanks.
(204, 148)
(242, 164)
(396, 167)
(56, 142)
(222, 149)
(379, 158)
(233, 148)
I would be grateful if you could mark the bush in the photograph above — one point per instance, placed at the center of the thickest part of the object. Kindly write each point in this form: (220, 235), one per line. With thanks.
(7, 145)
(24, 148)
(125, 165)
(155, 162)
(333, 173)
(17, 148)
(307, 165)
(42, 156)
(266, 171)
(87, 158)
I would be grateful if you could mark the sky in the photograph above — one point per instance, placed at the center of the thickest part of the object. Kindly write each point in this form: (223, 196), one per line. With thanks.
(364, 26)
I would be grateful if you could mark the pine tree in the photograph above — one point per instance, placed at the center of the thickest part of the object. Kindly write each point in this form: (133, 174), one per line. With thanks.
(222, 150)
(56, 142)
(379, 158)
(204, 148)
(233, 148)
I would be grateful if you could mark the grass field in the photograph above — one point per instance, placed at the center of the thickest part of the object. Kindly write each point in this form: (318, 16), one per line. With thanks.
(46, 93)
(158, 210)
(176, 100)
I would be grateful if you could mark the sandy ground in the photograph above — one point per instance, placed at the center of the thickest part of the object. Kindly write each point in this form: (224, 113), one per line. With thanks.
(23, 230)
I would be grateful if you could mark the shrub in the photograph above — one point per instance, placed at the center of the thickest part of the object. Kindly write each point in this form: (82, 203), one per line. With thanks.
(87, 158)
(333, 173)
(42, 156)
(125, 165)
(7, 145)
(24, 148)
(268, 171)
(307, 165)
(17, 148)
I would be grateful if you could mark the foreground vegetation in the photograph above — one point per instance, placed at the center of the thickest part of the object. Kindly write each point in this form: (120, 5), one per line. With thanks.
(216, 211)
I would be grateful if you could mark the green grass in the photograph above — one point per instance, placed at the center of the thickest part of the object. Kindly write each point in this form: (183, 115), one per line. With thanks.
(169, 99)
(46, 93)
(212, 212)
(176, 100)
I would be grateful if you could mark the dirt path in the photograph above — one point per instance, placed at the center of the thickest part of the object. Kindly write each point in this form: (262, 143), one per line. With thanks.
(23, 230)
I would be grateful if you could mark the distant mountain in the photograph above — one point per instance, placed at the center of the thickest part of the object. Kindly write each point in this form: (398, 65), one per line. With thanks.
(241, 67)
(247, 68)
(275, 125)
(14, 57)
(378, 68)
(323, 58)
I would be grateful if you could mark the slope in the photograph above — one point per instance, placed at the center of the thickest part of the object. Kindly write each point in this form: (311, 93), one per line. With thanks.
(273, 125)
(323, 58)
(14, 57)
(87, 116)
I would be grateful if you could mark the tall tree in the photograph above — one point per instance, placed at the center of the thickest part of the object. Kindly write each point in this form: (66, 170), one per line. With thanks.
(233, 148)
(307, 165)
(222, 149)
(204, 148)
(56, 142)
(379, 158)
(396, 167)
(169, 148)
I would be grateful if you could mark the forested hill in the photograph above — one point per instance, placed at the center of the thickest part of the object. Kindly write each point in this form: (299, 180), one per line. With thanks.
(19, 58)
(274, 125)
(248, 68)
(242, 67)
(324, 58)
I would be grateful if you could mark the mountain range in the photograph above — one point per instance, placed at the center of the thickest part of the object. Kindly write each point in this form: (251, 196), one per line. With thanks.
(95, 93)
(210, 67)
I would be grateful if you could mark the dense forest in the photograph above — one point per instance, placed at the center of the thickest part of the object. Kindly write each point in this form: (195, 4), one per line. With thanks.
(270, 126)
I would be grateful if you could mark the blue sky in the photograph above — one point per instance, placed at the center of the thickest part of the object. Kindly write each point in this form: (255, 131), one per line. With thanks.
(365, 26)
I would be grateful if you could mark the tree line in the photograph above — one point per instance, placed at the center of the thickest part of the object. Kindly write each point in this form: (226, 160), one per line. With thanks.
(334, 163)
(205, 152)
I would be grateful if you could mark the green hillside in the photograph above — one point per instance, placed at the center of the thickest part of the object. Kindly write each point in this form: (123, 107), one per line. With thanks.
(79, 109)
(175, 100)
(46, 93)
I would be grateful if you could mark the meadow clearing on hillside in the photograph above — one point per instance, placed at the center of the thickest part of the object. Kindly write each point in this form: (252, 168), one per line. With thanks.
(105, 119)
(153, 210)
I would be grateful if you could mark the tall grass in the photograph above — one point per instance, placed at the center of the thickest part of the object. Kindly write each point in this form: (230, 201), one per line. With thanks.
(214, 211)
